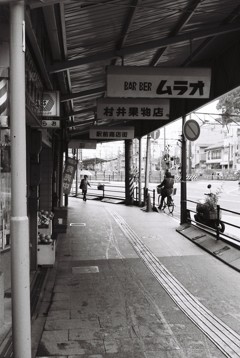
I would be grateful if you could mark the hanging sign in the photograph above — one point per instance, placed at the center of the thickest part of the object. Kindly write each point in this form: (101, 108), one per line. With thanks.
(114, 133)
(156, 82)
(49, 104)
(191, 130)
(68, 174)
(132, 108)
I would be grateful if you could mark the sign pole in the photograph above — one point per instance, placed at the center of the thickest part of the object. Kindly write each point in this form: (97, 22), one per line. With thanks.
(147, 161)
(183, 177)
(140, 172)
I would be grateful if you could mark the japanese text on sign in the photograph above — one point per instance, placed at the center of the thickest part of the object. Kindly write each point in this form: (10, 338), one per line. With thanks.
(132, 108)
(50, 124)
(68, 175)
(117, 134)
(157, 82)
(132, 112)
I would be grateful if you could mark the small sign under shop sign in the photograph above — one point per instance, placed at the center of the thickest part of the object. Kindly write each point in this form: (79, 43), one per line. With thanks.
(120, 133)
(132, 108)
(156, 82)
(51, 123)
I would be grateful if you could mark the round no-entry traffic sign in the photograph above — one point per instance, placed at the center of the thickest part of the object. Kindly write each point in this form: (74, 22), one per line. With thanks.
(155, 135)
(191, 130)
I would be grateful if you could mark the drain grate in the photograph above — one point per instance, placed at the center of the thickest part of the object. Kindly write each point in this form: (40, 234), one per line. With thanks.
(85, 269)
(220, 251)
(198, 237)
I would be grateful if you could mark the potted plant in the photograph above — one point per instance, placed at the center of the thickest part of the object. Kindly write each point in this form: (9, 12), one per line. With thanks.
(211, 203)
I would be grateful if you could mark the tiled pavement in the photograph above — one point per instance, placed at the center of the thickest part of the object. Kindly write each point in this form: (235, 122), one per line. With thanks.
(101, 301)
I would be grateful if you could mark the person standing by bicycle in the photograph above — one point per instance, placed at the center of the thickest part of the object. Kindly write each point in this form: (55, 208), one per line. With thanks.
(166, 187)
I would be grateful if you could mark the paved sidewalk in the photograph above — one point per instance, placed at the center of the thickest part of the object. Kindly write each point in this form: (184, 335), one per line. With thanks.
(101, 301)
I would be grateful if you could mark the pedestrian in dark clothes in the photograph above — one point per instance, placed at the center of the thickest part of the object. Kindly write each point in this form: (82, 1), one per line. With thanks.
(84, 186)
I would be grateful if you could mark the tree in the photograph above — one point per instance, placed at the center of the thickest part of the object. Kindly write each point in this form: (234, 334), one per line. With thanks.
(230, 105)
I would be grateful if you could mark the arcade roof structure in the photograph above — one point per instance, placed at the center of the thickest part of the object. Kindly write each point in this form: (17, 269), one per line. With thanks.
(86, 36)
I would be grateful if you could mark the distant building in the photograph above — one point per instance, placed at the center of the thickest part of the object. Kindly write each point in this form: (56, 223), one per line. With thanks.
(217, 149)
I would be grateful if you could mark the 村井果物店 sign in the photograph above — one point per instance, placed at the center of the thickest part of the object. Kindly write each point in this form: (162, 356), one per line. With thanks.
(132, 108)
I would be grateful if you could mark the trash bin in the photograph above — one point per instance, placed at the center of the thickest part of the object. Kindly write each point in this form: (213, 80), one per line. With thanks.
(100, 187)
(60, 220)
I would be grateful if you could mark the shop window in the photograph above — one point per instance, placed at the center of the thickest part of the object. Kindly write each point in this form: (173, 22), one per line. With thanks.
(5, 188)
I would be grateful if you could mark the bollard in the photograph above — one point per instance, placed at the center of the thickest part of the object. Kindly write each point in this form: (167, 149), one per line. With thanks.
(149, 205)
(154, 206)
(1, 299)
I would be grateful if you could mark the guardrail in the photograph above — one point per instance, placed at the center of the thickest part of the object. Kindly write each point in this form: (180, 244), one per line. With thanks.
(229, 234)
(108, 190)
(101, 190)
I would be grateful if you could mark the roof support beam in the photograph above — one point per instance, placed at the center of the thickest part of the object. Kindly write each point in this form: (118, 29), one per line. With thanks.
(81, 123)
(34, 43)
(83, 94)
(187, 14)
(82, 111)
(208, 40)
(127, 25)
(63, 66)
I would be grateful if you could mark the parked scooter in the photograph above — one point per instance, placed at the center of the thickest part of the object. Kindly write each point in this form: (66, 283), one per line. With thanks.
(206, 212)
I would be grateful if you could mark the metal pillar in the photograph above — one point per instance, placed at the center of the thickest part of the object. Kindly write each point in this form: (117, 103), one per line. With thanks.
(183, 177)
(140, 172)
(66, 158)
(76, 194)
(128, 176)
(147, 165)
(147, 161)
(19, 221)
(61, 151)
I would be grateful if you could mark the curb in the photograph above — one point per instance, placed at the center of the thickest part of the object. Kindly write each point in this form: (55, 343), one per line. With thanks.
(218, 248)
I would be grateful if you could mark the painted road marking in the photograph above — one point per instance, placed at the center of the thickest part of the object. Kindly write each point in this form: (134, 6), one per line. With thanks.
(77, 224)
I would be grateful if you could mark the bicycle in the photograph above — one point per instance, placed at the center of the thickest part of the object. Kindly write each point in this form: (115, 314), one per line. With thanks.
(168, 201)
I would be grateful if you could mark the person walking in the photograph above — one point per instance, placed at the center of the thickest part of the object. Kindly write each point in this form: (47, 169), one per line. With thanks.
(84, 186)
(166, 187)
